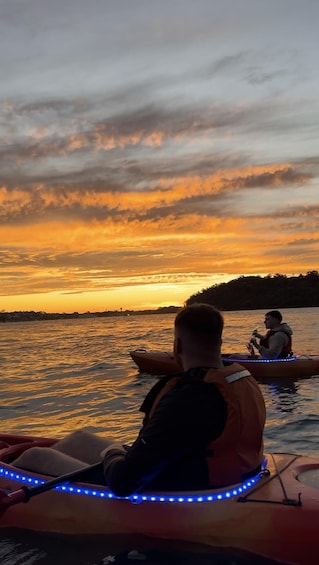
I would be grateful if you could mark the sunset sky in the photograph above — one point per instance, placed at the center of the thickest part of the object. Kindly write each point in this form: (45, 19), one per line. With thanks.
(153, 148)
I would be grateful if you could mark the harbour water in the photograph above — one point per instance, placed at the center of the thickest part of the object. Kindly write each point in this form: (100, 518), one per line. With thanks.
(57, 376)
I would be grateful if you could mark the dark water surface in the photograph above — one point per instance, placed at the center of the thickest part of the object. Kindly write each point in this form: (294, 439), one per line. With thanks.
(57, 376)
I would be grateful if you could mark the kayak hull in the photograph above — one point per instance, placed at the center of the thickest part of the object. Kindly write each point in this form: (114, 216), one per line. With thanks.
(163, 363)
(276, 517)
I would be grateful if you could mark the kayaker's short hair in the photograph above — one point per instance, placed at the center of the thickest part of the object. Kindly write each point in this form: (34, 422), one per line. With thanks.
(201, 320)
(275, 314)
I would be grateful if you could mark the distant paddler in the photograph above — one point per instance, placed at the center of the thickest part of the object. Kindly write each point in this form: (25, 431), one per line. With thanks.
(277, 342)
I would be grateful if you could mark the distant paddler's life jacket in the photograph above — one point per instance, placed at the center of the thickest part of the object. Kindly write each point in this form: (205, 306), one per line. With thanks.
(286, 350)
(238, 451)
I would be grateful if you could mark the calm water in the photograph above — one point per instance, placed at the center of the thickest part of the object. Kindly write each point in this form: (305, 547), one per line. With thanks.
(57, 376)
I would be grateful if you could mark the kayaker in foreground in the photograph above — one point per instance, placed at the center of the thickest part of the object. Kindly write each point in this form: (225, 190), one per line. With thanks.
(277, 343)
(203, 427)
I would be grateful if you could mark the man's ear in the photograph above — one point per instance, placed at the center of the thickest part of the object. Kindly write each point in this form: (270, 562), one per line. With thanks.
(178, 346)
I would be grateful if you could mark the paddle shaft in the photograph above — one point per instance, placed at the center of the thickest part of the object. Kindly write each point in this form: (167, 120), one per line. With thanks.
(24, 493)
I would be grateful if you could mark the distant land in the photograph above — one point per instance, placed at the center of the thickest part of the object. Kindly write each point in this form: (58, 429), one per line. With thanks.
(244, 293)
(270, 292)
(30, 316)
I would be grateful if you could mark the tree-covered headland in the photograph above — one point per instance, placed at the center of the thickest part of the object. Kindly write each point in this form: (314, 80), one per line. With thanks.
(255, 292)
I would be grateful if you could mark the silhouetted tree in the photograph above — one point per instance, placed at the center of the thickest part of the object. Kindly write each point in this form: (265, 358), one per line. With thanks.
(255, 292)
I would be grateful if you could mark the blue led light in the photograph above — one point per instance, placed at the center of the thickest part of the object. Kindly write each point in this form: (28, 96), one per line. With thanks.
(247, 360)
(102, 492)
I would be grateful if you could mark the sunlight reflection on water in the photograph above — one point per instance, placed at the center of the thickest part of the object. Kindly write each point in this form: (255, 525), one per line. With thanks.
(61, 375)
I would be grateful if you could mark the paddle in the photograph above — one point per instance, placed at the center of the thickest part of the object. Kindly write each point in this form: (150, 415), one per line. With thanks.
(24, 493)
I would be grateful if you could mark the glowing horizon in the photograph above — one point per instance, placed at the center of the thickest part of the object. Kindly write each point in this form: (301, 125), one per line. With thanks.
(145, 297)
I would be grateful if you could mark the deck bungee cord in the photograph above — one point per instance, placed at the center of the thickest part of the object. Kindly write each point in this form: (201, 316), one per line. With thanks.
(286, 500)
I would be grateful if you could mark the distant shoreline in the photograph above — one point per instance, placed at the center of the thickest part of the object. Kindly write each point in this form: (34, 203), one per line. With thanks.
(31, 316)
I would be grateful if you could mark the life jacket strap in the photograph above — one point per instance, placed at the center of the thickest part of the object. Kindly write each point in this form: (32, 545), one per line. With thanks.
(237, 376)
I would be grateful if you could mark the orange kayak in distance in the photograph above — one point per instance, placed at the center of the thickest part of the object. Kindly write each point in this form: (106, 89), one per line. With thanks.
(164, 363)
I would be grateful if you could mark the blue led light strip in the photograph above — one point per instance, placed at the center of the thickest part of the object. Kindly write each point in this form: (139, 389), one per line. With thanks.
(247, 360)
(101, 492)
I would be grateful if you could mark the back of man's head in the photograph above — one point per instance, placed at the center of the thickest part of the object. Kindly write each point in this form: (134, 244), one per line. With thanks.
(275, 314)
(201, 323)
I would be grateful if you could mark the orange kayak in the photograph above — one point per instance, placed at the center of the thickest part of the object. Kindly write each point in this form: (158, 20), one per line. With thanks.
(273, 515)
(163, 363)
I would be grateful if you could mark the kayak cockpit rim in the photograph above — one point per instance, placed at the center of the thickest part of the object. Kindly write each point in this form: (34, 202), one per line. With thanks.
(258, 360)
(99, 491)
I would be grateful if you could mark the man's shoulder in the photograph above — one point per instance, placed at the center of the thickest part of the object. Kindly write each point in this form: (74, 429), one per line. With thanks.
(283, 334)
(284, 328)
(190, 387)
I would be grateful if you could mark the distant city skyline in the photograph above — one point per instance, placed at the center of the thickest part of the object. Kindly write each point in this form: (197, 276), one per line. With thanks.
(153, 149)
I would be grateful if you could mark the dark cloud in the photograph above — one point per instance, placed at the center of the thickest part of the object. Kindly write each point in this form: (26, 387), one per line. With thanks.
(304, 242)
(119, 155)
(67, 196)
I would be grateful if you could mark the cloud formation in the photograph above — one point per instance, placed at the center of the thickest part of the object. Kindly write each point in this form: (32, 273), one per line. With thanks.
(142, 151)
